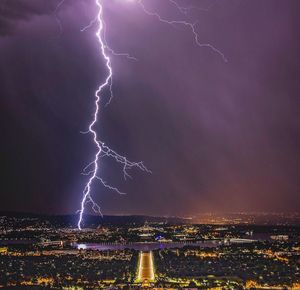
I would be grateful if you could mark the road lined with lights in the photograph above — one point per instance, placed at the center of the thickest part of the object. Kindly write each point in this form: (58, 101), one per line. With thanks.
(146, 268)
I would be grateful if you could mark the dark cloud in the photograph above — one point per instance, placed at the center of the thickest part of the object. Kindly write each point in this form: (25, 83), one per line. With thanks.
(15, 12)
(217, 136)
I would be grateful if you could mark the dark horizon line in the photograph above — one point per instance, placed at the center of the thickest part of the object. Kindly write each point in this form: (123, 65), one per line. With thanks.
(12, 212)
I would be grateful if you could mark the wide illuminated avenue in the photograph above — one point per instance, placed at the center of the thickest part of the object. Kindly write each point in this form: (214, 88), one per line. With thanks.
(146, 268)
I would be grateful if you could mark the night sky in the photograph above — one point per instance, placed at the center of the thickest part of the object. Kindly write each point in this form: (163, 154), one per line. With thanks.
(217, 136)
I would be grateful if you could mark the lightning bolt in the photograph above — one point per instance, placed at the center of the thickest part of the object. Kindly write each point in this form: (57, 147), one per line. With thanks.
(191, 26)
(185, 10)
(60, 3)
(102, 150)
(107, 47)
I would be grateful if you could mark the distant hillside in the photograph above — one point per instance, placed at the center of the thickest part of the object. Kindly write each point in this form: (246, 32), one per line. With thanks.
(92, 220)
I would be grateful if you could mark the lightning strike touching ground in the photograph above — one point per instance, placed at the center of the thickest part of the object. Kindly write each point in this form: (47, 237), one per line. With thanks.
(102, 149)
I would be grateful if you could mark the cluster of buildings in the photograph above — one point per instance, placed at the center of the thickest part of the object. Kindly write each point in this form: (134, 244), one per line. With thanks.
(153, 255)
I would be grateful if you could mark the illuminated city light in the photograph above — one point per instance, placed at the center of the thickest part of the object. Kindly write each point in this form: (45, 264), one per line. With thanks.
(146, 268)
